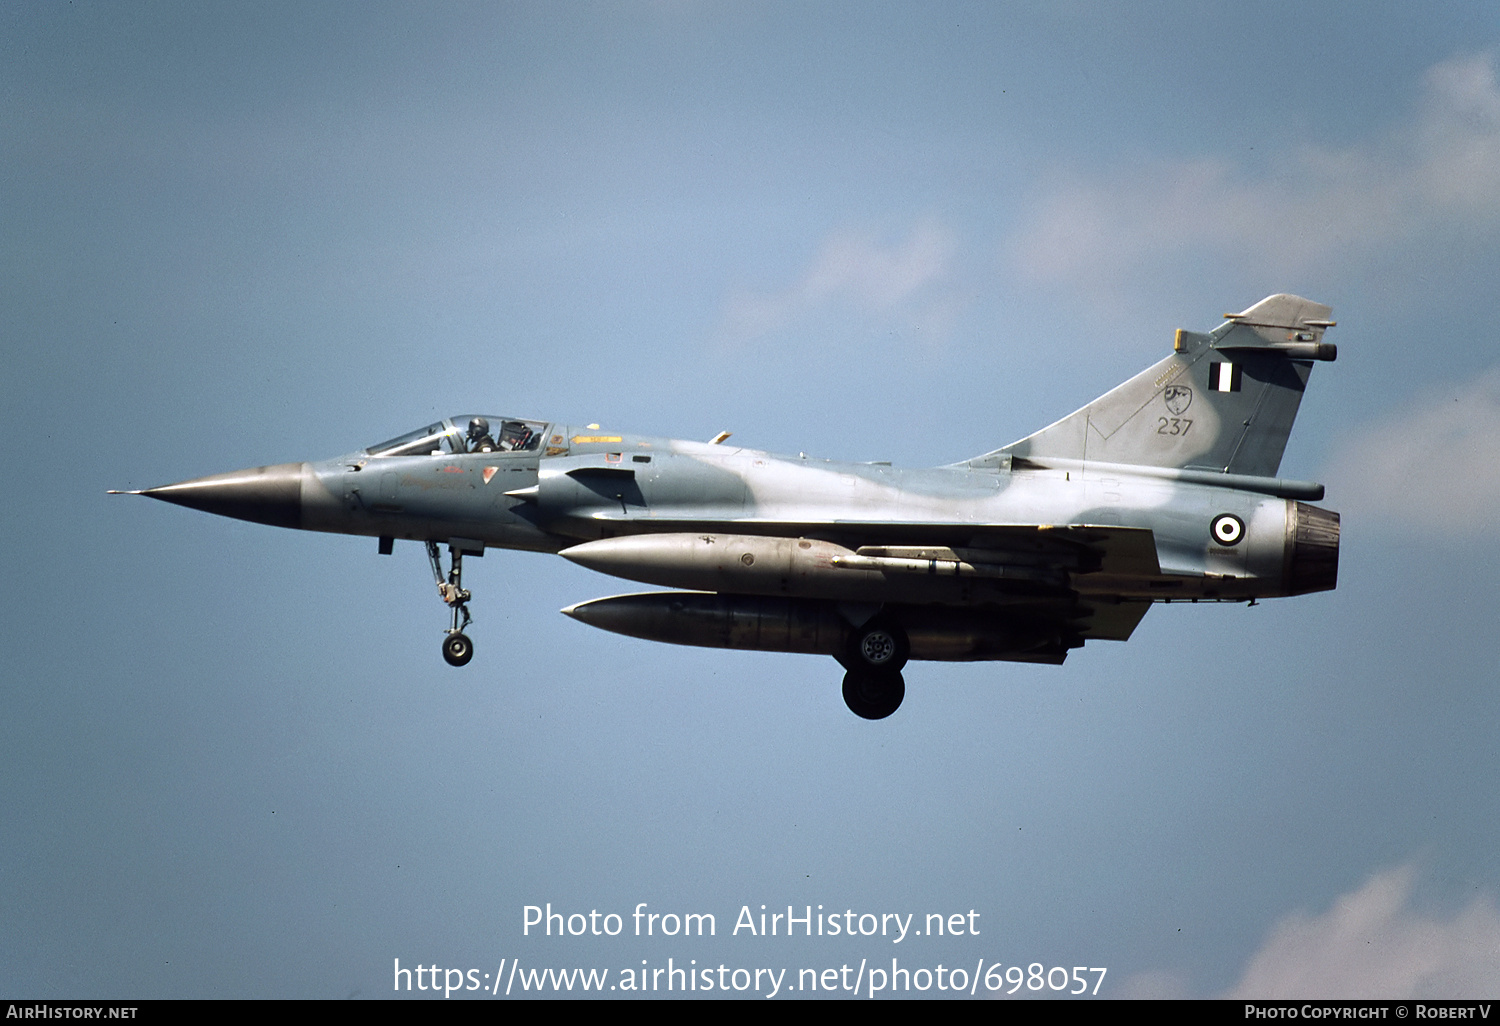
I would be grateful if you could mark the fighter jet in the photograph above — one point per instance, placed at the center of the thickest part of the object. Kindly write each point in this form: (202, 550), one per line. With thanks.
(1164, 489)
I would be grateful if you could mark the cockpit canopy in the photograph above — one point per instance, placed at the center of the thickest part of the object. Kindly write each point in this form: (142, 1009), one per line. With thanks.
(472, 432)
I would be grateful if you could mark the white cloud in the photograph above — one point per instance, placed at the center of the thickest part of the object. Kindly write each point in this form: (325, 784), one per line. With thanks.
(1437, 170)
(858, 272)
(1373, 944)
(1434, 465)
(1459, 136)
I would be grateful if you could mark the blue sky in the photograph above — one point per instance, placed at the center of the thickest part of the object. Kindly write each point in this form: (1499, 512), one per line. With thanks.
(235, 235)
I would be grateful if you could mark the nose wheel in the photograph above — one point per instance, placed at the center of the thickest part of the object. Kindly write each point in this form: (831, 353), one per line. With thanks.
(457, 648)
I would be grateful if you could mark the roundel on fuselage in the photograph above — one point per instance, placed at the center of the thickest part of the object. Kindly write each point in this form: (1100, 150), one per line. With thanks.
(1227, 529)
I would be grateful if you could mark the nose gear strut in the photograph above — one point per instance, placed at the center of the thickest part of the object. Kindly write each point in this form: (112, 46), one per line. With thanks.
(457, 648)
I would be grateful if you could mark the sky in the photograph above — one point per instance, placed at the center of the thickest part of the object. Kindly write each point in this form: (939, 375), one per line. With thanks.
(234, 762)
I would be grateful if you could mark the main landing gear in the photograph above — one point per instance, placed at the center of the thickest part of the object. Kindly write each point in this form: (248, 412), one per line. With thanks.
(874, 694)
(875, 653)
(457, 648)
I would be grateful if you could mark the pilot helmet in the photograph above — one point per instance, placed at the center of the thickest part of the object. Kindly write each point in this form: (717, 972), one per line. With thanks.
(478, 428)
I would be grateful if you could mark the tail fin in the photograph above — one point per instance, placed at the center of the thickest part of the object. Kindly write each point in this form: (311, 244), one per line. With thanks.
(1224, 401)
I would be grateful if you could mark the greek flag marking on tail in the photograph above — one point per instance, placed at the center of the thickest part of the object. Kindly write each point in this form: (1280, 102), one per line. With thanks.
(1224, 377)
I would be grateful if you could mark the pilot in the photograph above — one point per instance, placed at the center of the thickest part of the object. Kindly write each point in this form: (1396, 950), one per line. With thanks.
(479, 436)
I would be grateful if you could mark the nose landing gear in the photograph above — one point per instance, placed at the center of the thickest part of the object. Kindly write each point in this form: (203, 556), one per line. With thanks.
(457, 648)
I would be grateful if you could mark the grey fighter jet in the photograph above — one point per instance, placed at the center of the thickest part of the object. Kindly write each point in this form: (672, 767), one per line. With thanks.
(1162, 490)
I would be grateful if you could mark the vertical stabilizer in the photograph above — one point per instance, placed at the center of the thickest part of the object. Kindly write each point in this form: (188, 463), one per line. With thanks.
(1223, 401)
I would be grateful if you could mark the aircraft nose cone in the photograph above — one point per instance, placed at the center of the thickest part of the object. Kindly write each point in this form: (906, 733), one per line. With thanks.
(264, 495)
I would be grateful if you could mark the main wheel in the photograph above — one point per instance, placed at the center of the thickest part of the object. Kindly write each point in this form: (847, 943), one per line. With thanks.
(457, 649)
(878, 645)
(873, 696)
